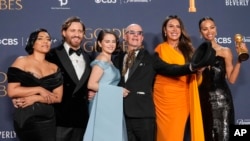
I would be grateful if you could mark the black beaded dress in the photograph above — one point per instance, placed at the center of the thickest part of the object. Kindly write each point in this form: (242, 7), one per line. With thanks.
(35, 122)
(216, 102)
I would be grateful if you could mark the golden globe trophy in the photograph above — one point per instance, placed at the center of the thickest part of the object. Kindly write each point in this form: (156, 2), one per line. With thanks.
(192, 6)
(242, 54)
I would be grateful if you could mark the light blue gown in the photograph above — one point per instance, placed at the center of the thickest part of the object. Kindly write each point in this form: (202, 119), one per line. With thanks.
(106, 121)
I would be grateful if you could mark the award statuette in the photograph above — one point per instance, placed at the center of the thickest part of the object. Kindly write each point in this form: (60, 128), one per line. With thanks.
(242, 54)
(192, 6)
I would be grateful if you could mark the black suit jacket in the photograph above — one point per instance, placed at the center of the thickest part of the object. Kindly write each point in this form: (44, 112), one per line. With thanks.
(73, 110)
(139, 102)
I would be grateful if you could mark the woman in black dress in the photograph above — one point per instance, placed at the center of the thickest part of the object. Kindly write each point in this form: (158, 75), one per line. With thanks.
(215, 95)
(34, 84)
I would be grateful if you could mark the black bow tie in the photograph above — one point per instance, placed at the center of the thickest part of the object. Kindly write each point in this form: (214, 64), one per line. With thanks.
(78, 51)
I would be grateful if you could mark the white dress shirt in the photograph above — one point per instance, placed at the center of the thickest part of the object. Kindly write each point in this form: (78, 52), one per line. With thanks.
(77, 61)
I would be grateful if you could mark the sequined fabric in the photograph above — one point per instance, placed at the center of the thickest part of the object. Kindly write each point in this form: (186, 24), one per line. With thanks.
(216, 102)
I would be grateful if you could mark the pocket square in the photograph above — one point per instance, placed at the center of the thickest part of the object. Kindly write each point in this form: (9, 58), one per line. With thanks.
(140, 92)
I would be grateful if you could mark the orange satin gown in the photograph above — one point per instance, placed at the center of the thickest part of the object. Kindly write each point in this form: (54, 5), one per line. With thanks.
(175, 98)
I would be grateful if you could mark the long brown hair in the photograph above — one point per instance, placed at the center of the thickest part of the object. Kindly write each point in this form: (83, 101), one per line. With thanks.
(185, 44)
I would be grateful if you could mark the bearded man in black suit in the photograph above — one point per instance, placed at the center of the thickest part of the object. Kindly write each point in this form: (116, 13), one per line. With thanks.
(72, 113)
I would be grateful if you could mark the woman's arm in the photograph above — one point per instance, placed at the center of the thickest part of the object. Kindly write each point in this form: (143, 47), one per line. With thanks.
(95, 77)
(167, 69)
(232, 72)
(16, 90)
(56, 97)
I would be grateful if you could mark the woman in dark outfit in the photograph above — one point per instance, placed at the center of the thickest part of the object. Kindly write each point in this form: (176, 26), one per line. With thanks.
(34, 84)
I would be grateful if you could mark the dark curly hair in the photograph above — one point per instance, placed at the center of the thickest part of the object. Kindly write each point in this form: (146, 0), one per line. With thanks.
(32, 38)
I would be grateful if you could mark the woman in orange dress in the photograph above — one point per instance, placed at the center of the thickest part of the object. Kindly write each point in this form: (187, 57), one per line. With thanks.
(176, 98)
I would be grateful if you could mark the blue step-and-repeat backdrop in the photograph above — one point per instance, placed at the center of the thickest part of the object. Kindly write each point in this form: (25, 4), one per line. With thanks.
(19, 17)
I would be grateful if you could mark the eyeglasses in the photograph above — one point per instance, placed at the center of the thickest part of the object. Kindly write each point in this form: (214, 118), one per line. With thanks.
(132, 32)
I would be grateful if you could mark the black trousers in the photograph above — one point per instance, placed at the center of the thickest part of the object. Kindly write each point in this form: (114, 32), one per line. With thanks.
(141, 129)
(69, 133)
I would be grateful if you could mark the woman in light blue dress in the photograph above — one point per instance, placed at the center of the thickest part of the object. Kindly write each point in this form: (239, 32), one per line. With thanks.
(106, 121)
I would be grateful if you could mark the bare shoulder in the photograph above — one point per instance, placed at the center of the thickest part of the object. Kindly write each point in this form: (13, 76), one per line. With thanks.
(226, 52)
(225, 48)
(20, 62)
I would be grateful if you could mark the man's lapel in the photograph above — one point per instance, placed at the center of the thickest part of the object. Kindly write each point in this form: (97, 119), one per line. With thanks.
(136, 63)
(85, 74)
(67, 65)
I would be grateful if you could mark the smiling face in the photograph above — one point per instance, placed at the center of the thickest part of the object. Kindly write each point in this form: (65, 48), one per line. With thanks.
(208, 30)
(172, 30)
(133, 36)
(73, 35)
(108, 43)
(42, 43)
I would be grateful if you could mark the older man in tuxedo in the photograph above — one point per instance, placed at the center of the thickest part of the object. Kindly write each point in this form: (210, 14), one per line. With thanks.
(138, 77)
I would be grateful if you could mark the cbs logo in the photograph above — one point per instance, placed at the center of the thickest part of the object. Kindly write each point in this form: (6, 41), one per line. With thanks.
(105, 1)
(224, 40)
(9, 41)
